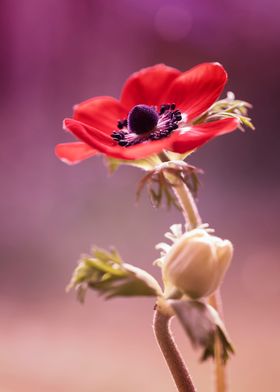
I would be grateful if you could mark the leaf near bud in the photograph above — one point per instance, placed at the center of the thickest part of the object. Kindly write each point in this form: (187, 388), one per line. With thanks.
(106, 273)
(203, 326)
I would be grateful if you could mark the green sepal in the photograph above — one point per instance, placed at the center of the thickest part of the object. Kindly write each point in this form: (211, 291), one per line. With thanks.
(161, 181)
(145, 164)
(106, 273)
(175, 156)
(203, 326)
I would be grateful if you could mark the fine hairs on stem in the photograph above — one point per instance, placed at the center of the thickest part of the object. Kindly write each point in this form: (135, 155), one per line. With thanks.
(173, 358)
(161, 321)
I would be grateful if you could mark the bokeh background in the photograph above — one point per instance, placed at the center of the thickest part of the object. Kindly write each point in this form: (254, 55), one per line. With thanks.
(57, 53)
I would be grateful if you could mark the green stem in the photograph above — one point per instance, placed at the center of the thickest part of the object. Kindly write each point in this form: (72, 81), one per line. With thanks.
(188, 205)
(174, 360)
(221, 382)
(193, 219)
(184, 198)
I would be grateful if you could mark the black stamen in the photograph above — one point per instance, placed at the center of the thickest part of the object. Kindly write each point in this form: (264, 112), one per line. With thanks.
(122, 123)
(123, 143)
(142, 119)
(144, 123)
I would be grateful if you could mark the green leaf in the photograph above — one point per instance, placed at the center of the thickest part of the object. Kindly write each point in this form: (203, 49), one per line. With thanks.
(112, 256)
(203, 326)
(225, 108)
(137, 283)
(106, 273)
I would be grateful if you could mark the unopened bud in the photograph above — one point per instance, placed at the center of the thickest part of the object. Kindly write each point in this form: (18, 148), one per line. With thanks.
(196, 263)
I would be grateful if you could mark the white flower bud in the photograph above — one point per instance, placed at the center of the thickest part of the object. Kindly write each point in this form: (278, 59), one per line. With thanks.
(196, 263)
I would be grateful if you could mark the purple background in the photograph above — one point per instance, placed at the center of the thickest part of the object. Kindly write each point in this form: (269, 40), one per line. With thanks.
(57, 53)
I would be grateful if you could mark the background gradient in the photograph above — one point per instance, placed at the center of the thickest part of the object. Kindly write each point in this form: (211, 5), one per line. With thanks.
(57, 53)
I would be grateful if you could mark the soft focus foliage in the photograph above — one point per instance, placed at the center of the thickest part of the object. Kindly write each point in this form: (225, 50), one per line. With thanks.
(203, 325)
(106, 273)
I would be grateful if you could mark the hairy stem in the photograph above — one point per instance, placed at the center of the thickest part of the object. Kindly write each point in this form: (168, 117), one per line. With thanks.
(190, 210)
(173, 358)
(188, 205)
(193, 220)
(184, 198)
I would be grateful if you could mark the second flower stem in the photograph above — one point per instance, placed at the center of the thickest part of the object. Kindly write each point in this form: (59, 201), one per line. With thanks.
(193, 220)
(220, 370)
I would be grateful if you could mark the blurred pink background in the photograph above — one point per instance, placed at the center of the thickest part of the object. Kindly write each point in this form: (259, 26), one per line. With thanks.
(57, 53)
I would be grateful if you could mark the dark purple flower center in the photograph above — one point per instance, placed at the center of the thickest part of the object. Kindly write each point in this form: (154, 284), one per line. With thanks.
(147, 123)
(142, 119)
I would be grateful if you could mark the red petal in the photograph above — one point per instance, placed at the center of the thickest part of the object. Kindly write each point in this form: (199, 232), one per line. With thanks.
(72, 153)
(106, 145)
(148, 86)
(86, 133)
(196, 90)
(179, 142)
(196, 136)
(142, 150)
(101, 112)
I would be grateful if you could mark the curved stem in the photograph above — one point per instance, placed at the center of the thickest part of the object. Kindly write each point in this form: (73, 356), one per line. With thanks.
(190, 210)
(184, 198)
(193, 218)
(174, 361)
(188, 205)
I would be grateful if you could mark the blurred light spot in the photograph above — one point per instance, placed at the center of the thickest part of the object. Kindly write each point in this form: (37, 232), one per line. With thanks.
(173, 22)
(260, 275)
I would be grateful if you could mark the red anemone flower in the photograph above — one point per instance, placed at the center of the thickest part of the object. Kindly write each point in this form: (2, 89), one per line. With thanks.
(156, 111)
